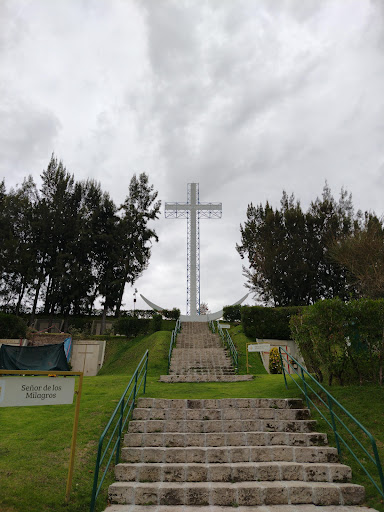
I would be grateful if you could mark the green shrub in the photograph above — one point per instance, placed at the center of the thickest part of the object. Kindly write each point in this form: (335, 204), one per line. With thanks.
(342, 340)
(274, 361)
(131, 325)
(12, 326)
(232, 313)
(171, 314)
(156, 323)
(267, 323)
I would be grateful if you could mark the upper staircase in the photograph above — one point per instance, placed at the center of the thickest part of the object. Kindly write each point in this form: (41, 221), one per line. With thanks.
(200, 357)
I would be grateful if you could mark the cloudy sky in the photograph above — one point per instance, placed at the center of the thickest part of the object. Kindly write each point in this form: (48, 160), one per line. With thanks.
(245, 97)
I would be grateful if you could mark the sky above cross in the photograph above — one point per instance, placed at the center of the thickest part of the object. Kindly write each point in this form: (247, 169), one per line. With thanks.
(247, 98)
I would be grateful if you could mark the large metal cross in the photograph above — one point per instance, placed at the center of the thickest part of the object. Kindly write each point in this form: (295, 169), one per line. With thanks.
(193, 211)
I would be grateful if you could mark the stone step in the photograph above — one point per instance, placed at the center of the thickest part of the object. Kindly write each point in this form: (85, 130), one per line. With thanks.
(152, 413)
(205, 378)
(192, 345)
(206, 366)
(229, 454)
(221, 403)
(256, 508)
(225, 439)
(197, 355)
(149, 426)
(237, 493)
(213, 361)
(233, 472)
(195, 373)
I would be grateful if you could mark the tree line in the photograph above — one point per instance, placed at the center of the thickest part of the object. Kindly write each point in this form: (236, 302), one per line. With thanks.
(68, 243)
(298, 257)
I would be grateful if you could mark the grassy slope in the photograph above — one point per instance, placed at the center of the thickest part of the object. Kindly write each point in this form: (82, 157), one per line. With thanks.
(34, 445)
(240, 340)
(366, 404)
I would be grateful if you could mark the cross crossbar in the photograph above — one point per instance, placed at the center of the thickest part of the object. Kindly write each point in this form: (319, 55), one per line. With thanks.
(193, 211)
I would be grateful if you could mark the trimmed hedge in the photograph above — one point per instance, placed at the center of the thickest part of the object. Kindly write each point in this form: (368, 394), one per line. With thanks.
(131, 325)
(156, 322)
(170, 314)
(232, 313)
(12, 326)
(268, 323)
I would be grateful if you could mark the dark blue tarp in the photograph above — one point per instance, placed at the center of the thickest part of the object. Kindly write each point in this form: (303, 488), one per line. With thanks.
(44, 357)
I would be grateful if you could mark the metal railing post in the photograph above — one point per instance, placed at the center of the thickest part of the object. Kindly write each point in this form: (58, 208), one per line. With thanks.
(329, 399)
(283, 368)
(145, 373)
(378, 462)
(305, 389)
(134, 389)
(119, 433)
(96, 477)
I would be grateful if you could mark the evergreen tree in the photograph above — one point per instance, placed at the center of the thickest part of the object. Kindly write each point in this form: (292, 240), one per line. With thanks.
(69, 244)
(139, 208)
(288, 249)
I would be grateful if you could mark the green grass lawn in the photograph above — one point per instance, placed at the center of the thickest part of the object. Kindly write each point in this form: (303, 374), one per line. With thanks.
(35, 441)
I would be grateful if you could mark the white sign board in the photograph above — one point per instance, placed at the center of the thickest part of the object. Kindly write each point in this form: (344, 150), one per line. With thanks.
(260, 347)
(225, 326)
(21, 391)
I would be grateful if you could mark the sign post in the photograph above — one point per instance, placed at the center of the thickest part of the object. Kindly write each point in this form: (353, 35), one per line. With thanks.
(30, 391)
(257, 347)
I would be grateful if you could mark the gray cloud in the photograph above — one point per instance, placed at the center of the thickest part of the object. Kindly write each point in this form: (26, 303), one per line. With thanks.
(27, 138)
(247, 98)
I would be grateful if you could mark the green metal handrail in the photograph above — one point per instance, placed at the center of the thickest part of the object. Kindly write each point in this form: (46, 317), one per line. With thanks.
(334, 421)
(175, 332)
(228, 343)
(212, 326)
(116, 424)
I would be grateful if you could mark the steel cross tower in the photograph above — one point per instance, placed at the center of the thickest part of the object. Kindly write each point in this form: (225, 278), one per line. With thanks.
(193, 211)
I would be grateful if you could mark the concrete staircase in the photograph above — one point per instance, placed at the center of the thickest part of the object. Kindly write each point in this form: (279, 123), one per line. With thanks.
(257, 455)
(200, 357)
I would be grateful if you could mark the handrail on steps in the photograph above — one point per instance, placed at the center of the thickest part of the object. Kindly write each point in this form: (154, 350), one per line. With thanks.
(175, 332)
(228, 343)
(116, 424)
(334, 421)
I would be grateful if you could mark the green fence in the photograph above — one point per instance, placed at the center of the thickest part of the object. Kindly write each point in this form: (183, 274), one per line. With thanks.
(175, 332)
(229, 345)
(360, 444)
(110, 439)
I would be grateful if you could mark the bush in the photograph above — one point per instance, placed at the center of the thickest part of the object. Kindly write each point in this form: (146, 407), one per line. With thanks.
(131, 325)
(274, 361)
(232, 313)
(322, 333)
(267, 323)
(156, 323)
(12, 326)
(171, 314)
(342, 340)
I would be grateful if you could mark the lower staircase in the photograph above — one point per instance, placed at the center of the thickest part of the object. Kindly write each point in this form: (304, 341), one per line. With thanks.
(200, 357)
(251, 454)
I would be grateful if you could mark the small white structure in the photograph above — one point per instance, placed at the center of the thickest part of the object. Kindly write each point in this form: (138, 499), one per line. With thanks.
(194, 318)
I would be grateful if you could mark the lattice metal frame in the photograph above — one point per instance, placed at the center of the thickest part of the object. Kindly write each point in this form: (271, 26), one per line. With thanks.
(193, 211)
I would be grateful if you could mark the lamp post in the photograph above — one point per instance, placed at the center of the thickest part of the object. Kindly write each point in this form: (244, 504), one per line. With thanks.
(134, 301)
